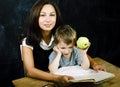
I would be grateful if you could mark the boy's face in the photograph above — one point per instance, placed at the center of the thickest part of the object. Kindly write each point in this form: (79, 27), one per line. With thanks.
(65, 49)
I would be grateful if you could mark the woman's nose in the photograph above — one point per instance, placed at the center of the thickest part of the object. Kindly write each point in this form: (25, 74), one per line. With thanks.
(47, 18)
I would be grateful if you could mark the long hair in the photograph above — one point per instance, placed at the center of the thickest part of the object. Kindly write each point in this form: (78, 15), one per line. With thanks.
(32, 29)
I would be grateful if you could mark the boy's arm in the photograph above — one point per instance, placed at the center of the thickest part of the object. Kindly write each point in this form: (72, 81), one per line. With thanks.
(53, 66)
(85, 61)
(93, 64)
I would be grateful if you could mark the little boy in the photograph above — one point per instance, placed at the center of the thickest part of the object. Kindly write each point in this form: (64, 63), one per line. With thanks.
(65, 53)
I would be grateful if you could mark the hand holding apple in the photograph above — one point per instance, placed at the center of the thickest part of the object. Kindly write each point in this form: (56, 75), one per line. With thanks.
(83, 42)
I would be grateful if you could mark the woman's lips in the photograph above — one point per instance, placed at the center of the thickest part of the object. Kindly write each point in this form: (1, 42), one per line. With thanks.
(47, 25)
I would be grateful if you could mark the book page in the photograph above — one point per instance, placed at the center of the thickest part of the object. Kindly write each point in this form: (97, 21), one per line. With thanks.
(82, 75)
(74, 71)
(101, 75)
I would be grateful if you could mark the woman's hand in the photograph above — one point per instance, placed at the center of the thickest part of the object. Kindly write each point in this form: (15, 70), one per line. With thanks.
(98, 67)
(64, 80)
(95, 65)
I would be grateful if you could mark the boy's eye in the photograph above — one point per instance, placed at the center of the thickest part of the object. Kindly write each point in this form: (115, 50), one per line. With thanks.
(62, 47)
(70, 47)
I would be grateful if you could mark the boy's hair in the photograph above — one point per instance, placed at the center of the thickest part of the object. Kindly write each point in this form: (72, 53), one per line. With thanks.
(66, 34)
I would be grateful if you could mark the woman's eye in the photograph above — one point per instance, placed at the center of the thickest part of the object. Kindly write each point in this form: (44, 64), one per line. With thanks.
(42, 15)
(52, 14)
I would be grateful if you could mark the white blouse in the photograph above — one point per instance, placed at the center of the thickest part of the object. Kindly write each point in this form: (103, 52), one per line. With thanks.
(42, 44)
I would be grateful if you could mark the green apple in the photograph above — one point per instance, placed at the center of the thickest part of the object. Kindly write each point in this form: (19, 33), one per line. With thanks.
(83, 42)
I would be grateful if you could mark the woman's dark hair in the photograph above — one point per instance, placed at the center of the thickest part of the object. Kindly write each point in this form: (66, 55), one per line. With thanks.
(32, 29)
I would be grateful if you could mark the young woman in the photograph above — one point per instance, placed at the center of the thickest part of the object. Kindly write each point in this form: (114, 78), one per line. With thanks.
(37, 44)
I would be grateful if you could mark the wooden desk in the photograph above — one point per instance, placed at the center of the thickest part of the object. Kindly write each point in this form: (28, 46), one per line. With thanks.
(29, 82)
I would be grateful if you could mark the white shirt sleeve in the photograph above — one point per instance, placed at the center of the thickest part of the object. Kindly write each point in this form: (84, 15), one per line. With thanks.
(24, 44)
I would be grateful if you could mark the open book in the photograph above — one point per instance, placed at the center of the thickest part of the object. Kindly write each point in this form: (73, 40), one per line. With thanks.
(81, 75)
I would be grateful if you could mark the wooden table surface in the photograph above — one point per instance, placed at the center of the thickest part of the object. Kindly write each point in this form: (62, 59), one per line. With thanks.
(114, 82)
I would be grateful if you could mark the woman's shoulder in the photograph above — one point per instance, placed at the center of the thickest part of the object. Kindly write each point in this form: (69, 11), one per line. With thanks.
(25, 44)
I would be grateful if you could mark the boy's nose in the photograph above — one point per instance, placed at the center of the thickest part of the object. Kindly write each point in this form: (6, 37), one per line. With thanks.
(66, 51)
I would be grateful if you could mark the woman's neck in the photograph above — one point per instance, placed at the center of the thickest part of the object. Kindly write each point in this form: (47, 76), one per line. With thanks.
(46, 37)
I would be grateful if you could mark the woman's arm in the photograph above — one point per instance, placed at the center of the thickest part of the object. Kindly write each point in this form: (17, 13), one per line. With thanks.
(31, 71)
(95, 65)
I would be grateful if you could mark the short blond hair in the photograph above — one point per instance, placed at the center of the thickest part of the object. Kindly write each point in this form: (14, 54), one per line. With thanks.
(66, 34)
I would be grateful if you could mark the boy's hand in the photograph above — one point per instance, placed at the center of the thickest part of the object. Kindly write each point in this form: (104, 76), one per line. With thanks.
(56, 49)
(83, 50)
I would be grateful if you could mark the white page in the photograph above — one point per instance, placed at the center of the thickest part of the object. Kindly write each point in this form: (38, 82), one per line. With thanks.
(80, 74)
(74, 71)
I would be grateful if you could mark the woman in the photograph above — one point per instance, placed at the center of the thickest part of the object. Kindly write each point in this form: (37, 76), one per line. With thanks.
(43, 19)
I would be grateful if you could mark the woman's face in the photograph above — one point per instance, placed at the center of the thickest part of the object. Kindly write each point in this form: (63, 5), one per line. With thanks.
(47, 19)
(65, 49)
